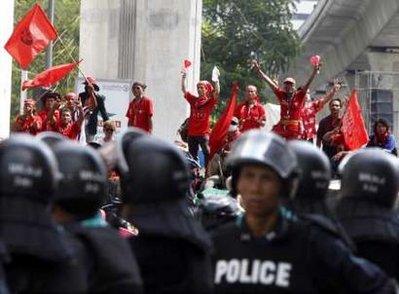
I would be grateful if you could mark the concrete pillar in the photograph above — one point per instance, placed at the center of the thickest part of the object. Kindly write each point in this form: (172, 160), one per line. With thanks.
(6, 28)
(386, 66)
(148, 41)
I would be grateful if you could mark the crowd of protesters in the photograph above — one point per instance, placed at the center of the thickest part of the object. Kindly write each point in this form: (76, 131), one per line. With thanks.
(133, 213)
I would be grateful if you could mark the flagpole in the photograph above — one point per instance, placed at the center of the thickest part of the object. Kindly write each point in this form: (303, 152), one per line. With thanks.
(70, 55)
(49, 51)
(23, 94)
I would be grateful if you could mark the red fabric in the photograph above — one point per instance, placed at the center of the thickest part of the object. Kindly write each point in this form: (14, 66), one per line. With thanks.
(28, 124)
(200, 112)
(186, 63)
(46, 126)
(309, 118)
(140, 112)
(250, 116)
(71, 130)
(31, 35)
(219, 132)
(49, 76)
(353, 127)
(289, 126)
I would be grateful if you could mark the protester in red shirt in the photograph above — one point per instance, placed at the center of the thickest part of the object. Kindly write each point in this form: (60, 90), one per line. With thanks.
(250, 112)
(201, 108)
(141, 109)
(65, 125)
(311, 109)
(48, 100)
(291, 101)
(28, 122)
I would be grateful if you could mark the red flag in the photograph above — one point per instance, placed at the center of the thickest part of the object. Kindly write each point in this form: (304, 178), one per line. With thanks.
(31, 35)
(353, 127)
(50, 76)
(219, 131)
(186, 63)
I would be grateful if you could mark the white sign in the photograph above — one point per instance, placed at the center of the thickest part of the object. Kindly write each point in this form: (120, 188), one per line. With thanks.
(117, 95)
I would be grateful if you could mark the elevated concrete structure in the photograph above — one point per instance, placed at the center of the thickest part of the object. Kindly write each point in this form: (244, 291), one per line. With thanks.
(144, 40)
(343, 32)
(6, 28)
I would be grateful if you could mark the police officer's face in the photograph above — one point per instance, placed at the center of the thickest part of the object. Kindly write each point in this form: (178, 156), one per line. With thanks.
(259, 188)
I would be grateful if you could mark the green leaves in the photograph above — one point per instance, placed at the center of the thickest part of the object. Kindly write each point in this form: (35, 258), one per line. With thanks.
(232, 29)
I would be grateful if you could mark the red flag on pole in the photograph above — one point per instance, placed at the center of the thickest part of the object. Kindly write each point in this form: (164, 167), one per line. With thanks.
(353, 127)
(219, 131)
(50, 76)
(31, 35)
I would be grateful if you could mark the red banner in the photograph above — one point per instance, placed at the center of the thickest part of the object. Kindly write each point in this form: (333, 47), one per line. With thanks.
(50, 76)
(31, 35)
(353, 127)
(219, 131)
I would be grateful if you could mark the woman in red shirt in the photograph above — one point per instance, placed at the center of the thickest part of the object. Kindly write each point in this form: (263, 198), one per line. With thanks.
(201, 108)
(29, 121)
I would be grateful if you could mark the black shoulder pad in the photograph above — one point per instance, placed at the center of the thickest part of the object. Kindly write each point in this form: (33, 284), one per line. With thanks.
(322, 222)
(330, 227)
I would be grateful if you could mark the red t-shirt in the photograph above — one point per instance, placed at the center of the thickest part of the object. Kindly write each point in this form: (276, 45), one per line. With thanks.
(291, 110)
(200, 112)
(46, 126)
(30, 124)
(309, 118)
(250, 116)
(140, 112)
(71, 130)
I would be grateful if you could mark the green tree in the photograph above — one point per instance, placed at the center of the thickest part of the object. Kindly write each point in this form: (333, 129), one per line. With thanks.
(232, 29)
(66, 21)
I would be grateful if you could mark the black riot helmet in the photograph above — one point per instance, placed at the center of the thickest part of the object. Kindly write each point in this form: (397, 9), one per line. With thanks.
(51, 138)
(158, 172)
(83, 184)
(314, 170)
(370, 174)
(267, 149)
(28, 168)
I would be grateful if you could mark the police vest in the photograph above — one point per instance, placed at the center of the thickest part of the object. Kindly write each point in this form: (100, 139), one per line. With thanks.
(246, 264)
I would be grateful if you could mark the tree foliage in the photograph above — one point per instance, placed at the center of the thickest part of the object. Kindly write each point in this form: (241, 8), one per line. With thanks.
(232, 29)
(66, 21)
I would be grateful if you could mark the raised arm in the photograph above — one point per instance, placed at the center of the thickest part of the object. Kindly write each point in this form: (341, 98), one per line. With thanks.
(316, 69)
(330, 94)
(216, 91)
(183, 82)
(264, 76)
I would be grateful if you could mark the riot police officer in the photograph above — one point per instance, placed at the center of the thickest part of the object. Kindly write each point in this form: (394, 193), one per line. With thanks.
(266, 250)
(41, 260)
(172, 249)
(314, 178)
(369, 188)
(105, 259)
(310, 198)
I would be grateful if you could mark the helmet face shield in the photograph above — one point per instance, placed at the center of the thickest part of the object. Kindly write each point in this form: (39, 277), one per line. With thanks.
(270, 150)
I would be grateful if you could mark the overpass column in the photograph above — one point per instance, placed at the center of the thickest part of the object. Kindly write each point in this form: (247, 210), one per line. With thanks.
(148, 41)
(6, 28)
